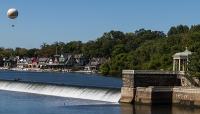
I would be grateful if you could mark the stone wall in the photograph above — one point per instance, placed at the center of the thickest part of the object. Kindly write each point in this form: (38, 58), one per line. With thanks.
(128, 90)
(140, 78)
(168, 95)
(127, 95)
(186, 96)
(161, 87)
(154, 95)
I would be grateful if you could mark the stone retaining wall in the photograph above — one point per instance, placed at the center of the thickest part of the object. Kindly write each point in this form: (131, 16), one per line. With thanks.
(140, 78)
(168, 95)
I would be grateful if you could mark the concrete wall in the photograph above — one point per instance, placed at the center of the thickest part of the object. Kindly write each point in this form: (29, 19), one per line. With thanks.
(140, 78)
(168, 95)
(154, 95)
(145, 78)
(128, 90)
(186, 96)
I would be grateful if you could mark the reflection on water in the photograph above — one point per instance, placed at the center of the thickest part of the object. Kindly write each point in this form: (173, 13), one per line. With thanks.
(158, 109)
(127, 109)
(185, 110)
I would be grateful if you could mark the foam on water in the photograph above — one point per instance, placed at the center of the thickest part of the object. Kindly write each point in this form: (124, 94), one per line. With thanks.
(92, 93)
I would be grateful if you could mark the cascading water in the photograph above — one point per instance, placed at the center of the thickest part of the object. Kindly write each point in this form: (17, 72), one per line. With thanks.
(92, 93)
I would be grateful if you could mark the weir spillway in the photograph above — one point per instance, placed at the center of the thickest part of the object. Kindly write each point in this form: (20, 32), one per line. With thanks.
(80, 92)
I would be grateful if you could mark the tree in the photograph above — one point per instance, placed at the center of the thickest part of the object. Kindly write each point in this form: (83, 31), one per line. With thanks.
(194, 64)
(195, 28)
(142, 49)
(178, 30)
(22, 52)
(32, 52)
(104, 68)
(120, 48)
(73, 47)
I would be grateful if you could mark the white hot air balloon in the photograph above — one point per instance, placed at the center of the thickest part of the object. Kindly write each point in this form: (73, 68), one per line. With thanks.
(12, 13)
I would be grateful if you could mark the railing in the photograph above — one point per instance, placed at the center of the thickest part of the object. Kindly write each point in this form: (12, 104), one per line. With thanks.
(190, 79)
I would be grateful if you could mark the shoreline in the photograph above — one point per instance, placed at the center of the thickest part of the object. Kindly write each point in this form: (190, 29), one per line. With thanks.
(48, 70)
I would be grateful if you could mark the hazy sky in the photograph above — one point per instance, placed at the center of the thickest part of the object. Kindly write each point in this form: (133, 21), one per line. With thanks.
(66, 20)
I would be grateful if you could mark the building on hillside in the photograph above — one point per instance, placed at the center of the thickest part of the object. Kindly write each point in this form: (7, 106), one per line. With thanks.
(68, 59)
(180, 61)
(1, 62)
(10, 62)
(22, 63)
(61, 59)
(56, 62)
(80, 60)
(42, 62)
(95, 63)
(32, 62)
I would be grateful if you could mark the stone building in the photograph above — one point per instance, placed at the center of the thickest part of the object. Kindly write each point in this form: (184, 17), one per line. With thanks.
(180, 61)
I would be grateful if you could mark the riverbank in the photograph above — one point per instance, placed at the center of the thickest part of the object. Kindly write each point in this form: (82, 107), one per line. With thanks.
(49, 70)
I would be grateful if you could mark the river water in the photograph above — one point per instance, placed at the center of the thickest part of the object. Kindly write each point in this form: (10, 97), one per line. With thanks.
(63, 78)
(26, 103)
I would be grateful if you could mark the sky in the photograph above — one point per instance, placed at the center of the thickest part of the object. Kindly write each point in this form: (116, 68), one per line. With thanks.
(48, 21)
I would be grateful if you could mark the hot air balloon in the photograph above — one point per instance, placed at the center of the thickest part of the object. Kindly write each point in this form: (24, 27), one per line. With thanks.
(12, 14)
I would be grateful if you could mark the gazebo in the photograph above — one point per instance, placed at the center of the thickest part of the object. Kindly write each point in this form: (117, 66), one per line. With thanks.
(180, 61)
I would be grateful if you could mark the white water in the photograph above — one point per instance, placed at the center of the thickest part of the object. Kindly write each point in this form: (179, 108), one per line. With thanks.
(100, 94)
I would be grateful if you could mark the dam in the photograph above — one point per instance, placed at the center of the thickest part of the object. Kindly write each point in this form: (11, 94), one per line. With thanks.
(80, 92)
(146, 87)
(68, 85)
(93, 97)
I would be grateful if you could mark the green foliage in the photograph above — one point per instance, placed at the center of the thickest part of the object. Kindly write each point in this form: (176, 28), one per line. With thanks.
(20, 51)
(32, 52)
(194, 64)
(195, 28)
(119, 48)
(105, 68)
(180, 29)
(142, 49)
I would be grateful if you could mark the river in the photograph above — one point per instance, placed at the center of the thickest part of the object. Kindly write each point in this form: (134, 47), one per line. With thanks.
(27, 103)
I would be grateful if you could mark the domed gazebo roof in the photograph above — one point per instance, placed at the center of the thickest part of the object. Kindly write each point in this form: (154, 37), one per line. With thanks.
(182, 55)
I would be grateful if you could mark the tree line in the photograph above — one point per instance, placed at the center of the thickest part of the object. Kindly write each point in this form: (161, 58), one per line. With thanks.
(142, 49)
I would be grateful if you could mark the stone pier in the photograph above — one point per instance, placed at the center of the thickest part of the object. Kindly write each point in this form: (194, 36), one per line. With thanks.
(166, 95)
(128, 90)
(157, 87)
(154, 95)
(140, 78)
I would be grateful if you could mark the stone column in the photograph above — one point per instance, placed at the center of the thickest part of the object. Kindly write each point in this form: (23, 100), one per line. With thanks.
(179, 64)
(174, 62)
(183, 64)
(127, 90)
